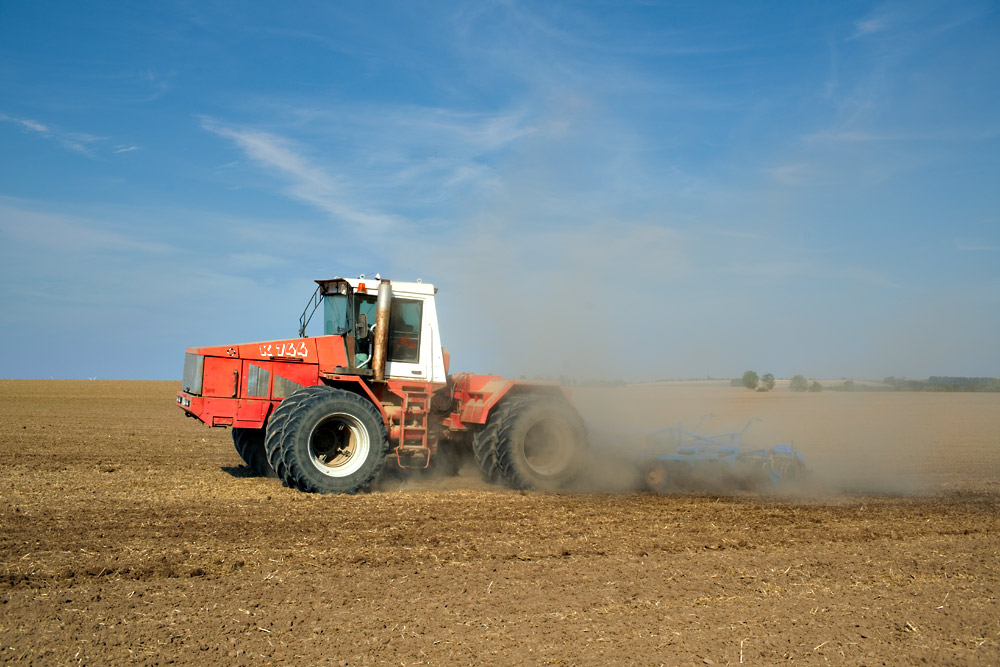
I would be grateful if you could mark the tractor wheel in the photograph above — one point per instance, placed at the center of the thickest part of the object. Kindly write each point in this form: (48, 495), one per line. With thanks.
(331, 441)
(540, 442)
(249, 444)
(276, 428)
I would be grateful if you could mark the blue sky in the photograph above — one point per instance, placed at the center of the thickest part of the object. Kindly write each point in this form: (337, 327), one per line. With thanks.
(598, 189)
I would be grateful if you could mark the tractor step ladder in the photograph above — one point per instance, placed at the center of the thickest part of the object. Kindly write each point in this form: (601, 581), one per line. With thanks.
(413, 451)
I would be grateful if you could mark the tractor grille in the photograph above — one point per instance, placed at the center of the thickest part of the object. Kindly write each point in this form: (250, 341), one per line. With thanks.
(194, 370)
(257, 380)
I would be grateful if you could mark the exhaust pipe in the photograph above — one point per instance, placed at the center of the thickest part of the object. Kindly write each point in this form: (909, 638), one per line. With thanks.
(381, 330)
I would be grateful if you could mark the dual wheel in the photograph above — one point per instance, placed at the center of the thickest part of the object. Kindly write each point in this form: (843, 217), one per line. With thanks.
(318, 440)
(531, 442)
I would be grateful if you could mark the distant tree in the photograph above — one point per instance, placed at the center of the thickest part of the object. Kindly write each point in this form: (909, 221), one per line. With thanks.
(847, 386)
(750, 380)
(815, 386)
(766, 382)
(798, 383)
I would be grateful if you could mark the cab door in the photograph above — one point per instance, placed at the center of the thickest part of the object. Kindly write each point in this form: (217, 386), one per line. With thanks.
(414, 350)
(403, 354)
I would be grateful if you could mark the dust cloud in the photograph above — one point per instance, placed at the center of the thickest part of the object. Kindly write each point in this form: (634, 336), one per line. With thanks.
(866, 442)
(606, 309)
(554, 303)
(876, 443)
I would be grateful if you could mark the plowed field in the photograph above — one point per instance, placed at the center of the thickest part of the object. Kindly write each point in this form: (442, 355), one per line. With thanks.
(131, 535)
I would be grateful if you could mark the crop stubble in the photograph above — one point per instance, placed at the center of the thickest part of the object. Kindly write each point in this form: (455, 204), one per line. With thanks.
(131, 535)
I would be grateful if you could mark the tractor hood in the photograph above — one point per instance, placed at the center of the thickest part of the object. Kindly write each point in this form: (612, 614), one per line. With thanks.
(322, 353)
(291, 349)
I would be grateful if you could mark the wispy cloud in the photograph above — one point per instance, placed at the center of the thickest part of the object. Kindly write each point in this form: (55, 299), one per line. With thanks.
(480, 131)
(871, 25)
(919, 18)
(75, 141)
(426, 154)
(309, 182)
(78, 142)
(30, 124)
(155, 83)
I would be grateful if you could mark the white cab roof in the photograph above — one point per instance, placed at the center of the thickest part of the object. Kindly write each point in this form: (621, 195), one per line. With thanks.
(371, 285)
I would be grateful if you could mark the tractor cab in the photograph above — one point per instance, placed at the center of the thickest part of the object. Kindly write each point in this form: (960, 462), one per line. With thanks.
(324, 413)
(412, 344)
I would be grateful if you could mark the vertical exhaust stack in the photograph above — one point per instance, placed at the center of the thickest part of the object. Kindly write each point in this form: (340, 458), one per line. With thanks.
(381, 330)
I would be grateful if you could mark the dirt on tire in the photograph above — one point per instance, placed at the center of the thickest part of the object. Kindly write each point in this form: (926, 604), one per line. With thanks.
(131, 535)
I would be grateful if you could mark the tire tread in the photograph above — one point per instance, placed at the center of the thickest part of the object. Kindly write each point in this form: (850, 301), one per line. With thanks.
(276, 429)
(484, 442)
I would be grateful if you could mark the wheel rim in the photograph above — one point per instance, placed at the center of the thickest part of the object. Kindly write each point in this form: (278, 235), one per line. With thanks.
(549, 447)
(339, 445)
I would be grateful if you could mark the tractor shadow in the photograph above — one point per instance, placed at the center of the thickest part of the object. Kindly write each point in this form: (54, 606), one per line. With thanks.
(238, 471)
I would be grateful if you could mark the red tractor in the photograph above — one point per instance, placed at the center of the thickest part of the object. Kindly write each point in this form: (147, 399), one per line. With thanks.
(326, 414)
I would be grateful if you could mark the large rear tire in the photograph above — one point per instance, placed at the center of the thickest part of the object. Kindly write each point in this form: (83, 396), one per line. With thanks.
(330, 441)
(249, 443)
(539, 442)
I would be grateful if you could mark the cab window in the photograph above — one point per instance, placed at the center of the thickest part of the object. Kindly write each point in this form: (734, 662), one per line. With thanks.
(364, 304)
(335, 314)
(404, 330)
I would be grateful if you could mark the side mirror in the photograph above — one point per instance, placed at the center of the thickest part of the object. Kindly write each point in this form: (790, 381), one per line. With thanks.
(361, 326)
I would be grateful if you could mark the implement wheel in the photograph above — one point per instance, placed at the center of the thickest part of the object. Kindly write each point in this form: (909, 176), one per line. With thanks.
(327, 441)
(656, 476)
(539, 441)
(249, 443)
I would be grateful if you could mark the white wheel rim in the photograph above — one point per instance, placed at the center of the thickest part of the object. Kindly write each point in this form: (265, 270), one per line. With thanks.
(549, 447)
(339, 445)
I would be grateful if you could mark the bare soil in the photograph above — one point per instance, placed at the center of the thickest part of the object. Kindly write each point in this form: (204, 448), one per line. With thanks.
(131, 535)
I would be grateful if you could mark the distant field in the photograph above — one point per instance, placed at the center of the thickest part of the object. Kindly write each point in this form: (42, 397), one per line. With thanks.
(132, 535)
